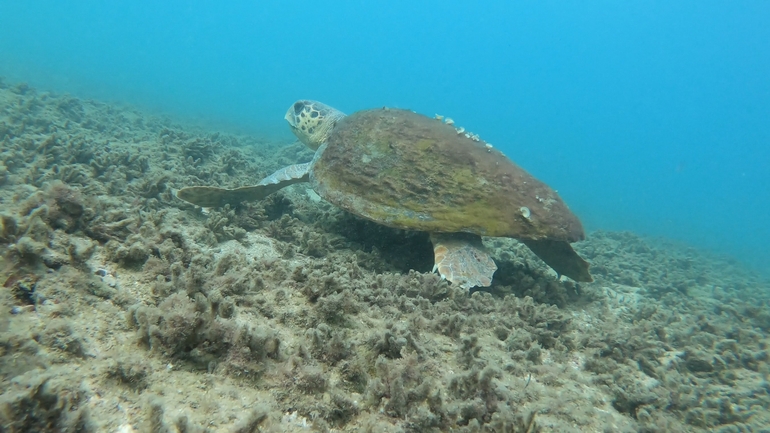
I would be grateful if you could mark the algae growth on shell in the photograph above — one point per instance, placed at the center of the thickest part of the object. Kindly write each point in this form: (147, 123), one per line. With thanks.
(409, 171)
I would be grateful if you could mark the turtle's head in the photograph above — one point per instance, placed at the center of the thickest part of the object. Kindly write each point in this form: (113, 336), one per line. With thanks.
(312, 121)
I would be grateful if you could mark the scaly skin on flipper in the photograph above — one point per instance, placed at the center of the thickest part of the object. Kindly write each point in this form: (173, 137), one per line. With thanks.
(288, 175)
(560, 256)
(461, 259)
(209, 196)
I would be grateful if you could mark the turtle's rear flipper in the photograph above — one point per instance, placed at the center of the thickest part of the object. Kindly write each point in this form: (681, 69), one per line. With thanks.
(560, 256)
(209, 196)
(461, 259)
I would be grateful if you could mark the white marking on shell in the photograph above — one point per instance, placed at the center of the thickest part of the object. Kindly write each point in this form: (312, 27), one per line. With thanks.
(525, 211)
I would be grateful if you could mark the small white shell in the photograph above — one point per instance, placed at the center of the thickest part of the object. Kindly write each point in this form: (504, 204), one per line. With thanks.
(449, 121)
(438, 117)
(525, 211)
(460, 130)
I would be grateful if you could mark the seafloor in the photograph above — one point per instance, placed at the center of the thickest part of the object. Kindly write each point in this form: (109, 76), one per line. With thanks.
(127, 310)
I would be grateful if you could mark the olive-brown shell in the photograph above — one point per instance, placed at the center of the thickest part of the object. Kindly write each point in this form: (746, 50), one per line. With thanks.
(405, 170)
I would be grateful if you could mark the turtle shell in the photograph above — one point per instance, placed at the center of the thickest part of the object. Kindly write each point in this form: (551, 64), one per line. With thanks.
(405, 170)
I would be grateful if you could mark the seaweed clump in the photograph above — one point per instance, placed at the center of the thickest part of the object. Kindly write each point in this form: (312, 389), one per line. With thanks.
(46, 406)
(188, 329)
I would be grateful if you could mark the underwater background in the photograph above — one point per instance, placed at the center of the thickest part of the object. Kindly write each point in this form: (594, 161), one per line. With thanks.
(650, 116)
(125, 308)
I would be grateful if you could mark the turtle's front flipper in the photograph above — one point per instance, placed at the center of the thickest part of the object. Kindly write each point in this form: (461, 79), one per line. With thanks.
(462, 259)
(209, 196)
(560, 256)
(286, 176)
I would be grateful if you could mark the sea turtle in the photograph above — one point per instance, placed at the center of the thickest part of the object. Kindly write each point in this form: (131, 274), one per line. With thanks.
(406, 170)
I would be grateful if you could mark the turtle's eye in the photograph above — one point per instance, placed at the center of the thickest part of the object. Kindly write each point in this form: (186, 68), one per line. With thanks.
(298, 106)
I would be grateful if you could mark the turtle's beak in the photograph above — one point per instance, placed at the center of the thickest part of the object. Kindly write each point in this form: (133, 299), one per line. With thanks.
(294, 112)
(292, 115)
(294, 121)
(289, 118)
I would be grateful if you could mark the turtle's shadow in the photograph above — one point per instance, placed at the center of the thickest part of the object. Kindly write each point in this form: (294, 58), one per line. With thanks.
(523, 277)
(402, 250)
(399, 250)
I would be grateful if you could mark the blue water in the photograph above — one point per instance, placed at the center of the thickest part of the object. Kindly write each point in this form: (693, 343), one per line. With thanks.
(651, 116)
